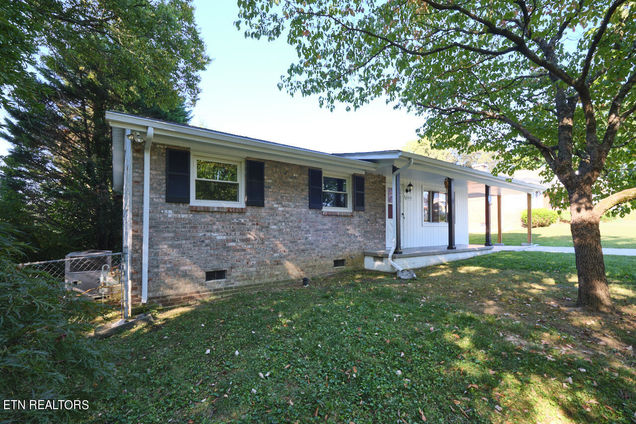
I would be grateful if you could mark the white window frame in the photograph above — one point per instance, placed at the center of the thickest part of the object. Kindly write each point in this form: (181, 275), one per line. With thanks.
(347, 178)
(240, 176)
(437, 190)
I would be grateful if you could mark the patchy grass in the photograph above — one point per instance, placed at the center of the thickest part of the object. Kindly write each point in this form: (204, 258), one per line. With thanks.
(491, 339)
(614, 233)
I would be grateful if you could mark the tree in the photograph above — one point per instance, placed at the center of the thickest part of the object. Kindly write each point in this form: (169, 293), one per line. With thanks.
(541, 83)
(472, 159)
(55, 186)
(156, 42)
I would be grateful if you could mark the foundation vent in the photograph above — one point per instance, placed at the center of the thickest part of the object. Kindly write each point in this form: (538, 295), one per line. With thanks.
(217, 274)
(338, 263)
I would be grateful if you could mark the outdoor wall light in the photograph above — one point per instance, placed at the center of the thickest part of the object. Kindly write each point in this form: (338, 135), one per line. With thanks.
(135, 137)
(409, 188)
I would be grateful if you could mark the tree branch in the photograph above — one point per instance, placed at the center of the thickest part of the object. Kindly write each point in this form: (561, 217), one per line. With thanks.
(597, 39)
(522, 47)
(545, 150)
(613, 119)
(403, 48)
(613, 200)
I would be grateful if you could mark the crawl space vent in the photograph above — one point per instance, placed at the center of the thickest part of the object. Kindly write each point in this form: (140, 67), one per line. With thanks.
(218, 274)
(338, 263)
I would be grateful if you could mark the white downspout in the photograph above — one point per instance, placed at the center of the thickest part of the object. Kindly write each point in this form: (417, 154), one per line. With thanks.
(146, 216)
(396, 172)
(127, 217)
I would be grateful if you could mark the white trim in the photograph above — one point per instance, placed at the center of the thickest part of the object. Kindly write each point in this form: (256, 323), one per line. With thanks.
(427, 188)
(126, 217)
(446, 169)
(248, 146)
(347, 179)
(240, 176)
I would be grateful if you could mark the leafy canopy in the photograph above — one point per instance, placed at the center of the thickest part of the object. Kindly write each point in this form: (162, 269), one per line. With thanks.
(156, 43)
(492, 75)
(140, 57)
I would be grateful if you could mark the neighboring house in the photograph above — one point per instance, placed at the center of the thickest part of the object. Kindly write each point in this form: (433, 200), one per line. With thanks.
(206, 211)
(512, 205)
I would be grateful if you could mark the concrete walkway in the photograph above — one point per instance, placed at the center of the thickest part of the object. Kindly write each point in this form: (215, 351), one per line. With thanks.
(557, 249)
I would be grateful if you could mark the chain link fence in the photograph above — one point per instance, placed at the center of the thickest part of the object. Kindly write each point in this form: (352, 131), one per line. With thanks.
(94, 274)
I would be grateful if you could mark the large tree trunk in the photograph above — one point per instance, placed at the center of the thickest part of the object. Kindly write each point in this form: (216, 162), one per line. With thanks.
(593, 289)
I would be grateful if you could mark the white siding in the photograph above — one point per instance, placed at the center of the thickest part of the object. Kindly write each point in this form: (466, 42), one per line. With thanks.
(416, 232)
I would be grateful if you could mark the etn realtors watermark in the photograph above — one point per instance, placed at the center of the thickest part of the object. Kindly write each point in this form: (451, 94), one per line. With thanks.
(45, 404)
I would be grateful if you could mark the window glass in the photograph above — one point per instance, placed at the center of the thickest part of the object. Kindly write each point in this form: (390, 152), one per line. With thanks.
(442, 207)
(334, 192)
(426, 206)
(438, 206)
(216, 181)
(334, 184)
(216, 171)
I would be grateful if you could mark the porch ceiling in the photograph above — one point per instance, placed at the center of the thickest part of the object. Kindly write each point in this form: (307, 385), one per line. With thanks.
(476, 189)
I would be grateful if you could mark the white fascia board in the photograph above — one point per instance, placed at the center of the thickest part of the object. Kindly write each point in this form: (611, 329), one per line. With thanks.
(423, 163)
(254, 147)
(243, 152)
(456, 171)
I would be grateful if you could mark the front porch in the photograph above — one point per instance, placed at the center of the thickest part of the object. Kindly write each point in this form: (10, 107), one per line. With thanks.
(419, 257)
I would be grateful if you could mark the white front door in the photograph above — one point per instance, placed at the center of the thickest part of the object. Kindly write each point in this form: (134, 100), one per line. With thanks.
(409, 211)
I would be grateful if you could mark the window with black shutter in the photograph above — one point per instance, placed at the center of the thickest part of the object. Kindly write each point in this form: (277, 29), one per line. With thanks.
(255, 185)
(358, 192)
(315, 188)
(177, 176)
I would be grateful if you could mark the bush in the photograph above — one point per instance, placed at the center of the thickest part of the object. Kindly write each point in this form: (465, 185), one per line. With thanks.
(540, 217)
(44, 351)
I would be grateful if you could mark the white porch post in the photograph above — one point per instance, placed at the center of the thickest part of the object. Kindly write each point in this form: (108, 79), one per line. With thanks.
(127, 218)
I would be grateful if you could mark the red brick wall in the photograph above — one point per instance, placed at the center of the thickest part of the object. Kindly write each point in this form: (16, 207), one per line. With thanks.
(281, 241)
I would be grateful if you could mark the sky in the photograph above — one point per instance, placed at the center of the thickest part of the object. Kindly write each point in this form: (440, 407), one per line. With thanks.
(239, 95)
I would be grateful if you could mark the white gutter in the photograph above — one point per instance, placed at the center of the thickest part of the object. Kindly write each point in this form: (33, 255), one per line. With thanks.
(150, 133)
(219, 139)
(395, 173)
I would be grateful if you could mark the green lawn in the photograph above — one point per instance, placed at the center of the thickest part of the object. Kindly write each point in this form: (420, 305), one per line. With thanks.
(491, 339)
(615, 233)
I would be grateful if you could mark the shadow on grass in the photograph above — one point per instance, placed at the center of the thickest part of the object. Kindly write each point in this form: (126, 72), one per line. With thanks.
(364, 347)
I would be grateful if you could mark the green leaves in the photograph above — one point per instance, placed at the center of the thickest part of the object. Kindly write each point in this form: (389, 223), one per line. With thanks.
(44, 352)
(139, 57)
(484, 75)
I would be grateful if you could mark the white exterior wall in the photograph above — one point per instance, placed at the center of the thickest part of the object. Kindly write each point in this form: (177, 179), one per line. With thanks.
(416, 232)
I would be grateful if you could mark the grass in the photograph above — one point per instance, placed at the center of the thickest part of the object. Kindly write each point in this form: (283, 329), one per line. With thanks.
(490, 339)
(615, 233)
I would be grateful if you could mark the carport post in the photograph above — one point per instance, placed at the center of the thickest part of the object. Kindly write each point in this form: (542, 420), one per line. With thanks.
(488, 241)
(499, 219)
(529, 223)
(450, 215)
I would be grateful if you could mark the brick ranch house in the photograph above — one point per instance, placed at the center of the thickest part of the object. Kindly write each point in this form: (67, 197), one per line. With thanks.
(206, 211)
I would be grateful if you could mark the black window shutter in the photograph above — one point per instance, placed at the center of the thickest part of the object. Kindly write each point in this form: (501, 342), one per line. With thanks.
(177, 176)
(315, 188)
(255, 187)
(358, 192)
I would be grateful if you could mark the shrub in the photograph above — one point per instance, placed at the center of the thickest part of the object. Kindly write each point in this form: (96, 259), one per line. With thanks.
(44, 351)
(540, 217)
